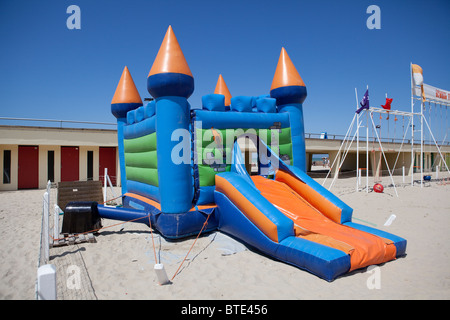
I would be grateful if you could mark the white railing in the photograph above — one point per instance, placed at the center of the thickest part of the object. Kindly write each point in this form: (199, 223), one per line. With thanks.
(58, 121)
(45, 288)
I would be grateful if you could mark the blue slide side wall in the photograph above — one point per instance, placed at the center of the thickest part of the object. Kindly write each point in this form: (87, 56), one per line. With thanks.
(325, 262)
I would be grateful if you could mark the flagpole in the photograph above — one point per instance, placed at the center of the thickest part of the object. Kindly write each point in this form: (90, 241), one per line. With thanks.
(357, 142)
(367, 152)
(412, 125)
(350, 128)
(421, 143)
(365, 105)
(367, 146)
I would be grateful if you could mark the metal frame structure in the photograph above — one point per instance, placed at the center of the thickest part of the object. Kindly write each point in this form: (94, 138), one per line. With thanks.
(369, 114)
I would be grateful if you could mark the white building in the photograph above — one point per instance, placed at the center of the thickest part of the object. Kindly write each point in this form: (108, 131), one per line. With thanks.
(30, 156)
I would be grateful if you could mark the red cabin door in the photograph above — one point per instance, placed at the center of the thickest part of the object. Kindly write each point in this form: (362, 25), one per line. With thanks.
(28, 175)
(70, 161)
(107, 159)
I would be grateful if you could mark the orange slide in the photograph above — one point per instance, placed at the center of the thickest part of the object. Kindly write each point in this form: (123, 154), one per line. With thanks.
(364, 248)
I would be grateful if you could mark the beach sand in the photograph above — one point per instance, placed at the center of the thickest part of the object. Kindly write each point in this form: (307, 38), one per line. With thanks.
(120, 264)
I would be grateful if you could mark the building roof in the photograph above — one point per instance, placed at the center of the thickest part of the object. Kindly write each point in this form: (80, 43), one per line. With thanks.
(30, 135)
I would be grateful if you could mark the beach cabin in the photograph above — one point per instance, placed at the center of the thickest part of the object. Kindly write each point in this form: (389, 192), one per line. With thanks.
(30, 156)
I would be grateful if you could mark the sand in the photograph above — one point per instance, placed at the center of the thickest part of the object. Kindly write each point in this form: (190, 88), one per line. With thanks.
(120, 264)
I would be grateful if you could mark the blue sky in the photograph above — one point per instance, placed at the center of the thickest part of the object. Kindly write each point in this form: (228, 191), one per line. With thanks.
(49, 71)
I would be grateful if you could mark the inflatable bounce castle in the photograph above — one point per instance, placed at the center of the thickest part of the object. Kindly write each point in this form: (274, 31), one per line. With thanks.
(181, 167)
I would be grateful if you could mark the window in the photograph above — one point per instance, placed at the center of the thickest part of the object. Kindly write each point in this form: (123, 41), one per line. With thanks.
(7, 166)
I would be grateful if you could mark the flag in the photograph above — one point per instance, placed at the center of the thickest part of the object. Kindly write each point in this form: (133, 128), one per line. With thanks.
(364, 102)
(417, 75)
(387, 105)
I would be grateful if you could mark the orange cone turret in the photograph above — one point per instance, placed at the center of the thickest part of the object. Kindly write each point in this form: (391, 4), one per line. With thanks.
(170, 74)
(287, 85)
(221, 88)
(126, 96)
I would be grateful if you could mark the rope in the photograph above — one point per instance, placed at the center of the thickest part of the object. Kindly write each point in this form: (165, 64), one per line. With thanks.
(151, 231)
(153, 242)
(94, 230)
(112, 199)
(201, 230)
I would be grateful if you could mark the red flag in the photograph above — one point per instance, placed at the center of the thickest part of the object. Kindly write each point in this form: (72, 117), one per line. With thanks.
(387, 105)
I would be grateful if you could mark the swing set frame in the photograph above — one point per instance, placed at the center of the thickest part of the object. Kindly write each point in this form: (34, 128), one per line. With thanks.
(369, 115)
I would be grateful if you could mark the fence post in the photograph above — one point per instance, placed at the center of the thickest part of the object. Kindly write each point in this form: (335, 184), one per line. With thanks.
(45, 229)
(46, 282)
(403, 173)
(111, 187)
(105, 185)
(56, 223)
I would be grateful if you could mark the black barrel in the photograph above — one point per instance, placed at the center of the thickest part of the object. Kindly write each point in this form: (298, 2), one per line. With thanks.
(81, 216)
